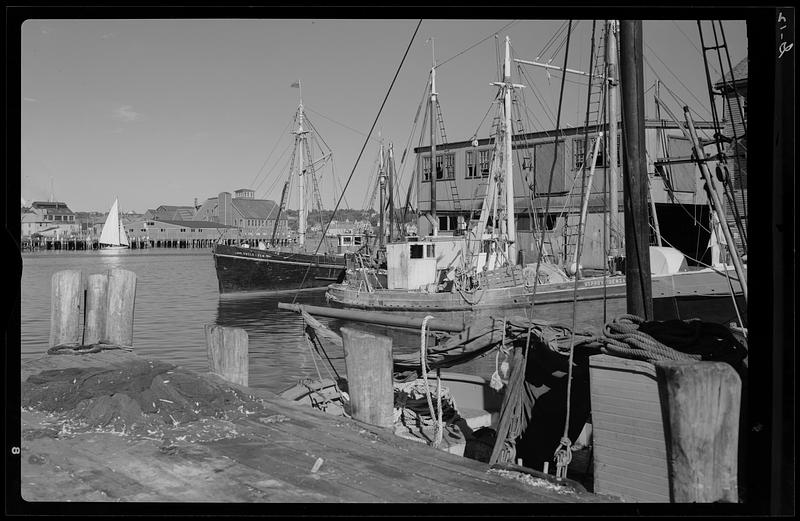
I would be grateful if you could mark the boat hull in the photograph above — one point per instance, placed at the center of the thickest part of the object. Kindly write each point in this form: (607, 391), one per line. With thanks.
(702, 294)
(250, 269)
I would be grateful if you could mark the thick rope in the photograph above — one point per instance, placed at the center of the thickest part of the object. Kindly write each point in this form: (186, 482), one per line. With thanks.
(78, 349)
(424, 368)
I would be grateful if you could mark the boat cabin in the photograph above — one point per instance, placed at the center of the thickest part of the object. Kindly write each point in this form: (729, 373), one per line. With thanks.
(349, 242)
(417, 262)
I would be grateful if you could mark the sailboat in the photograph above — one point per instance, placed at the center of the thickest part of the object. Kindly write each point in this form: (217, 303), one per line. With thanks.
(113, 236)
(285, 263)
(460, 277)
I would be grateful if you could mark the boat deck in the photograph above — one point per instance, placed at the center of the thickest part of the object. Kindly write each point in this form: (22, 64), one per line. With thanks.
(282, 452)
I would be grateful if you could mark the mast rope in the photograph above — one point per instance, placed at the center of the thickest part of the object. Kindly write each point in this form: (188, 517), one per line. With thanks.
(363, 147)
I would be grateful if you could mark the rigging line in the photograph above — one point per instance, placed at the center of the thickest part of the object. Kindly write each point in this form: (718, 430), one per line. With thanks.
(263, 180)
(550, 183)
(316, 135)
(400, 173)
(677, 98)
(283, 132)
(696, 48)
(363, 147)
(552, 39)
(337, 122)
(476, 44)
(670, 71)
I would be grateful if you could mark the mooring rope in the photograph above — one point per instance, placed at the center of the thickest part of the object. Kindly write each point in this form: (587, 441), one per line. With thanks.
(79, 349)
(424, 368)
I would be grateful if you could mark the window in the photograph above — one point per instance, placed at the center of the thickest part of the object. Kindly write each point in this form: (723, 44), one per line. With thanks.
(192, 230)
(439, 171)
(578, 152)
(416, 251)
(143, 229)
(200, 230)
(357, 240)
(426, 168)
(162, 230)
(472, 168)
(347, 240)
(450, 166)
(183, 230)
(485, 160)
(430, 250)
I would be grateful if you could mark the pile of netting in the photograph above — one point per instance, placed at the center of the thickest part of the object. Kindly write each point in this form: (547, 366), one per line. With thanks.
(134, 395)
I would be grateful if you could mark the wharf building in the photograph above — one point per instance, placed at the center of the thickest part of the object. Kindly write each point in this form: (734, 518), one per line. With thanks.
(676, 190)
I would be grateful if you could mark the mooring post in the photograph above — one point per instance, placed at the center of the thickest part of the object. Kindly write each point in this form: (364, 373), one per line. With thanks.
(66, 307)
(120, 305)
(700, 404)
(368, 362)
(228, 353)
(96, 302)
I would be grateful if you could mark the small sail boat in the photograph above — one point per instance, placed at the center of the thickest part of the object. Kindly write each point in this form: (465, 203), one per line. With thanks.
(113, 236)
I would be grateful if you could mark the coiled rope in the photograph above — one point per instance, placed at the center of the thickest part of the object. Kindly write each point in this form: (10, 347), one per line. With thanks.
(79, 349)
(629, 336)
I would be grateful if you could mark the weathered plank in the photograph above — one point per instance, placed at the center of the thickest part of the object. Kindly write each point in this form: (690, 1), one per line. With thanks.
(228, 352)
(368, 360)
(96, 302)
(66, 308)
(702, 429)
(120, 307)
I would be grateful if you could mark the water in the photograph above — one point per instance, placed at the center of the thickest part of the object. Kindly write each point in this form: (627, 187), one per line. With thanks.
(176, 295)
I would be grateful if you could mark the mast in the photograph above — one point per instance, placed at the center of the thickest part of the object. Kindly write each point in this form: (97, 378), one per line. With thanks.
(637, 243)
(390, 170)
(511, 229)
(382, 196)
(434, 219)
(301, 207)
(613, 160)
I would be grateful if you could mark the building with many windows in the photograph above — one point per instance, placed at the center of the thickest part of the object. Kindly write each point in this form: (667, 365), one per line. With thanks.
(49, 218)
(255, 218)
(544, 173)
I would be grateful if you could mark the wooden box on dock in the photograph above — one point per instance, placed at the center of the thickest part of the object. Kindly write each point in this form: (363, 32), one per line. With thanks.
(630, 454)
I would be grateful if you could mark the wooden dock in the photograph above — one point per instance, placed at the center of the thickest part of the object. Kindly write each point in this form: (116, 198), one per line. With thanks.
(261, 449)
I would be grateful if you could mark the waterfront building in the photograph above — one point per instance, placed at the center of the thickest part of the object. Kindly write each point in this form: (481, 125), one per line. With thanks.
(255, 218)
(170, 213)
(156, 233)
(462, 174)
(49, 219)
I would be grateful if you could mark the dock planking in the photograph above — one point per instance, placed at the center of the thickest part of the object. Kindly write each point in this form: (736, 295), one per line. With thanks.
(267, 454)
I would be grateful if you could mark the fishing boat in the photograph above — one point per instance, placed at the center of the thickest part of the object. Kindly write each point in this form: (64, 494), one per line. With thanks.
(113, 236)
(290, 263)
(478, 267)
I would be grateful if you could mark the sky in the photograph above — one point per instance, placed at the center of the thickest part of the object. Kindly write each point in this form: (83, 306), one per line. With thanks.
(163, 112)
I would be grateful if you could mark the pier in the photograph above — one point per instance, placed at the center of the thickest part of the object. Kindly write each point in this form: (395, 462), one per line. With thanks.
(100, 423)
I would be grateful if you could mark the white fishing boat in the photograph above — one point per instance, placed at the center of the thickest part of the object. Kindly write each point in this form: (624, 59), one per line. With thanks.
(113, 236)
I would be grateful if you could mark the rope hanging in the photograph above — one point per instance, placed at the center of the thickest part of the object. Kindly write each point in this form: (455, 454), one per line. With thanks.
(424, 367)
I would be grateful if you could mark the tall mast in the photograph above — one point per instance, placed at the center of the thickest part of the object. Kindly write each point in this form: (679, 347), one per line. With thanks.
(434, 219)
(613, 81)
(637, 236)
(511, 228)
(390, 171)
(299, 142)
(382, 191)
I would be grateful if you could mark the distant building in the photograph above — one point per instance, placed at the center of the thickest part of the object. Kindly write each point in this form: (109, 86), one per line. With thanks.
(157, 232)
(171, 213)
(255, 218)
(51, 219)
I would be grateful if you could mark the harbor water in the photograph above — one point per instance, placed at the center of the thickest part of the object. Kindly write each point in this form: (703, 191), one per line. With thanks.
(176, 295)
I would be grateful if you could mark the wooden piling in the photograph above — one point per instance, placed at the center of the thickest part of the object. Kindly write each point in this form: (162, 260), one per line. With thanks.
(701, 402)
(368, 362)
(120, 304)
(66, 307)
(96, 308)
(228, 352)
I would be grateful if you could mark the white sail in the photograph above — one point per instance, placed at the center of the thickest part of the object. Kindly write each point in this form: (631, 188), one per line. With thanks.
(113, 233)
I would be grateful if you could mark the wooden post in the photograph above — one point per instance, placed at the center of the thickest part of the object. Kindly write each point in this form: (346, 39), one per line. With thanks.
(66, 307)
(700, 402)
(120, 304)
(96, 302)
(637, 231)
(228, 353)
(368, 361)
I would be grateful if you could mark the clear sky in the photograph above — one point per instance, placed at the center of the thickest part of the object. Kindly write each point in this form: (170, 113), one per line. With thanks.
(166, 111)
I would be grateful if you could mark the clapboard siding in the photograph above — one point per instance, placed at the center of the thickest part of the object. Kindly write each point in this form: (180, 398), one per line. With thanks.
(630, 459)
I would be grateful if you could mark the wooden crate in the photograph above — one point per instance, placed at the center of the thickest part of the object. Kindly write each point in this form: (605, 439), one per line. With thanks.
(630, 454)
